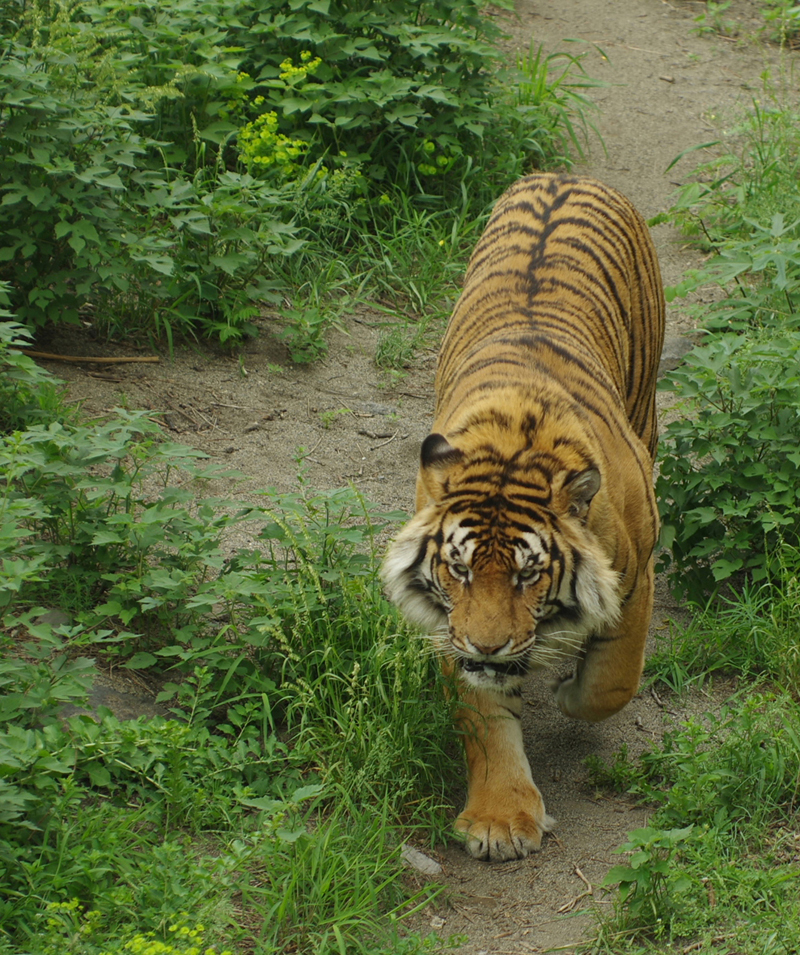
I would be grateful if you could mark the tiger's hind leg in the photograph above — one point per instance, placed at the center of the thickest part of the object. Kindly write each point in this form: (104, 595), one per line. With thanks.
(607, 677)
(504, 817)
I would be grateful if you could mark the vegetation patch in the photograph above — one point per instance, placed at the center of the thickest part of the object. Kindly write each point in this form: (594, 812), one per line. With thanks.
(716, 868)
(170, 170)
(303, 733)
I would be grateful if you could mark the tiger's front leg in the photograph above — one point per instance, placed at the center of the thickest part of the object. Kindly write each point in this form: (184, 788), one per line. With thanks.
(504, 817)
(607, 677)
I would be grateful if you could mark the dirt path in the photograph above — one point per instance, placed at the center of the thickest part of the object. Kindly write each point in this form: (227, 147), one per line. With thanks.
(666, 85)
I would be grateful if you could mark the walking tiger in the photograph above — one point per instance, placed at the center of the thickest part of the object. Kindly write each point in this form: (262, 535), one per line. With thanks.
(532, 543)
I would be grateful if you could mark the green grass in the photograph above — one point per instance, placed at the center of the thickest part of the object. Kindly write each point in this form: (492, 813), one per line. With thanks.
(311, 728)
(717, 863)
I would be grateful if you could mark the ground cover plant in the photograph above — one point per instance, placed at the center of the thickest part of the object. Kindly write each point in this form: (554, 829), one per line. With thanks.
(172, 169)
(303, 733)
(715, 869)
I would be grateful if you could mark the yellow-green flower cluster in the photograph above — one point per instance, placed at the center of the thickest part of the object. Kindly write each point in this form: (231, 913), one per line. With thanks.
(262, 146)
(295, 74)
(187, 941)
(71, 920)
(434, 165)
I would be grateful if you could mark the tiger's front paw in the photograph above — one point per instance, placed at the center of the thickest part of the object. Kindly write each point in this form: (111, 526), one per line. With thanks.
(500, 837)
(568, 698)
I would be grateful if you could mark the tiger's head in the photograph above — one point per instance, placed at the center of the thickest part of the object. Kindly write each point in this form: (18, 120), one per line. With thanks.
(500, 563)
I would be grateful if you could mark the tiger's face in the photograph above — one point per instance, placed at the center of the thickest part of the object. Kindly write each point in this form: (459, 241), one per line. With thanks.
(503, 584)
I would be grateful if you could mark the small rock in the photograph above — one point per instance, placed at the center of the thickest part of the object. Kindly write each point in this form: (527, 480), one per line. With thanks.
(419, 861)
(54, 618)
(437, 922)
(675, 347)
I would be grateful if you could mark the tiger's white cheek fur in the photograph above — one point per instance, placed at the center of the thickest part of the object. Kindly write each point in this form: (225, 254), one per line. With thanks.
(597, 591)
(407, 579)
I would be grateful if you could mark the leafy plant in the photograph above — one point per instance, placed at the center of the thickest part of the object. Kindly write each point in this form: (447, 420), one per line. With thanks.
(751, 179)
(752, 632)
(784, 18)
(713, 19)
(27, 392)
(719, 783)
(727, 498)
(726, 485)
(171, 199)
(304, 333)
(648, 882)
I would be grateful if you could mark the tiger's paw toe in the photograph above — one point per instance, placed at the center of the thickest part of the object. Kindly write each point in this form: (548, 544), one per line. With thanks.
(500, 839)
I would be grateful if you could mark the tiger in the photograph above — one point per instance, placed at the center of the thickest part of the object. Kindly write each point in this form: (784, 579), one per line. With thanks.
(535, 525)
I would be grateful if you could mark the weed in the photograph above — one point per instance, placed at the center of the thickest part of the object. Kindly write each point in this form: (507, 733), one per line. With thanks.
(27, 392)
(328, 417)
(713, 20)
(726, 483)
(751, 632)
(550, 88)
(648, 888)
(721, 784)
(783, 16)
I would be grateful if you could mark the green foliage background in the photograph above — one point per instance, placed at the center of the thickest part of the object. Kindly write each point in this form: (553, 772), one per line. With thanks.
(160, 164)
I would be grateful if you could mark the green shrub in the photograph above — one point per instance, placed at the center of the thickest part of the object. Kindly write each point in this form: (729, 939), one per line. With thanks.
(27, 392)
(159, 163)
(91, 212)
(720, 784)
(784, 19)
(727, 485)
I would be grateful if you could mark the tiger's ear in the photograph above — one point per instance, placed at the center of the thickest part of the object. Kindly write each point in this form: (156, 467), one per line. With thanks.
(436, 457)
(578, 491)
(437, 452)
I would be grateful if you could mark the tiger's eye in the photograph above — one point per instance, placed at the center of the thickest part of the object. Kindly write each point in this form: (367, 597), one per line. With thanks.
(528, 573)
(460, 570)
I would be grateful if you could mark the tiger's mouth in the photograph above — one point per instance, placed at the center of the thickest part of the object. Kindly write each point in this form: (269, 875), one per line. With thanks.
(495, 669)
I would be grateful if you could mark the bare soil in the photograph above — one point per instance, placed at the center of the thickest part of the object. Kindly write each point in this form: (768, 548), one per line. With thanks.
(668, 89)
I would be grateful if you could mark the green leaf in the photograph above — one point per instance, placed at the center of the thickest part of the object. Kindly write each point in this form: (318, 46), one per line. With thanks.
(140, 661)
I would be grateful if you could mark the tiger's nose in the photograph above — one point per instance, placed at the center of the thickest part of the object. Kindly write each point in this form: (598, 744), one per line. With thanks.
(488, 649)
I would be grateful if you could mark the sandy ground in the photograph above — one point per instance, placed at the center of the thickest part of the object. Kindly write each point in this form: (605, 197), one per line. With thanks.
(668, 89)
